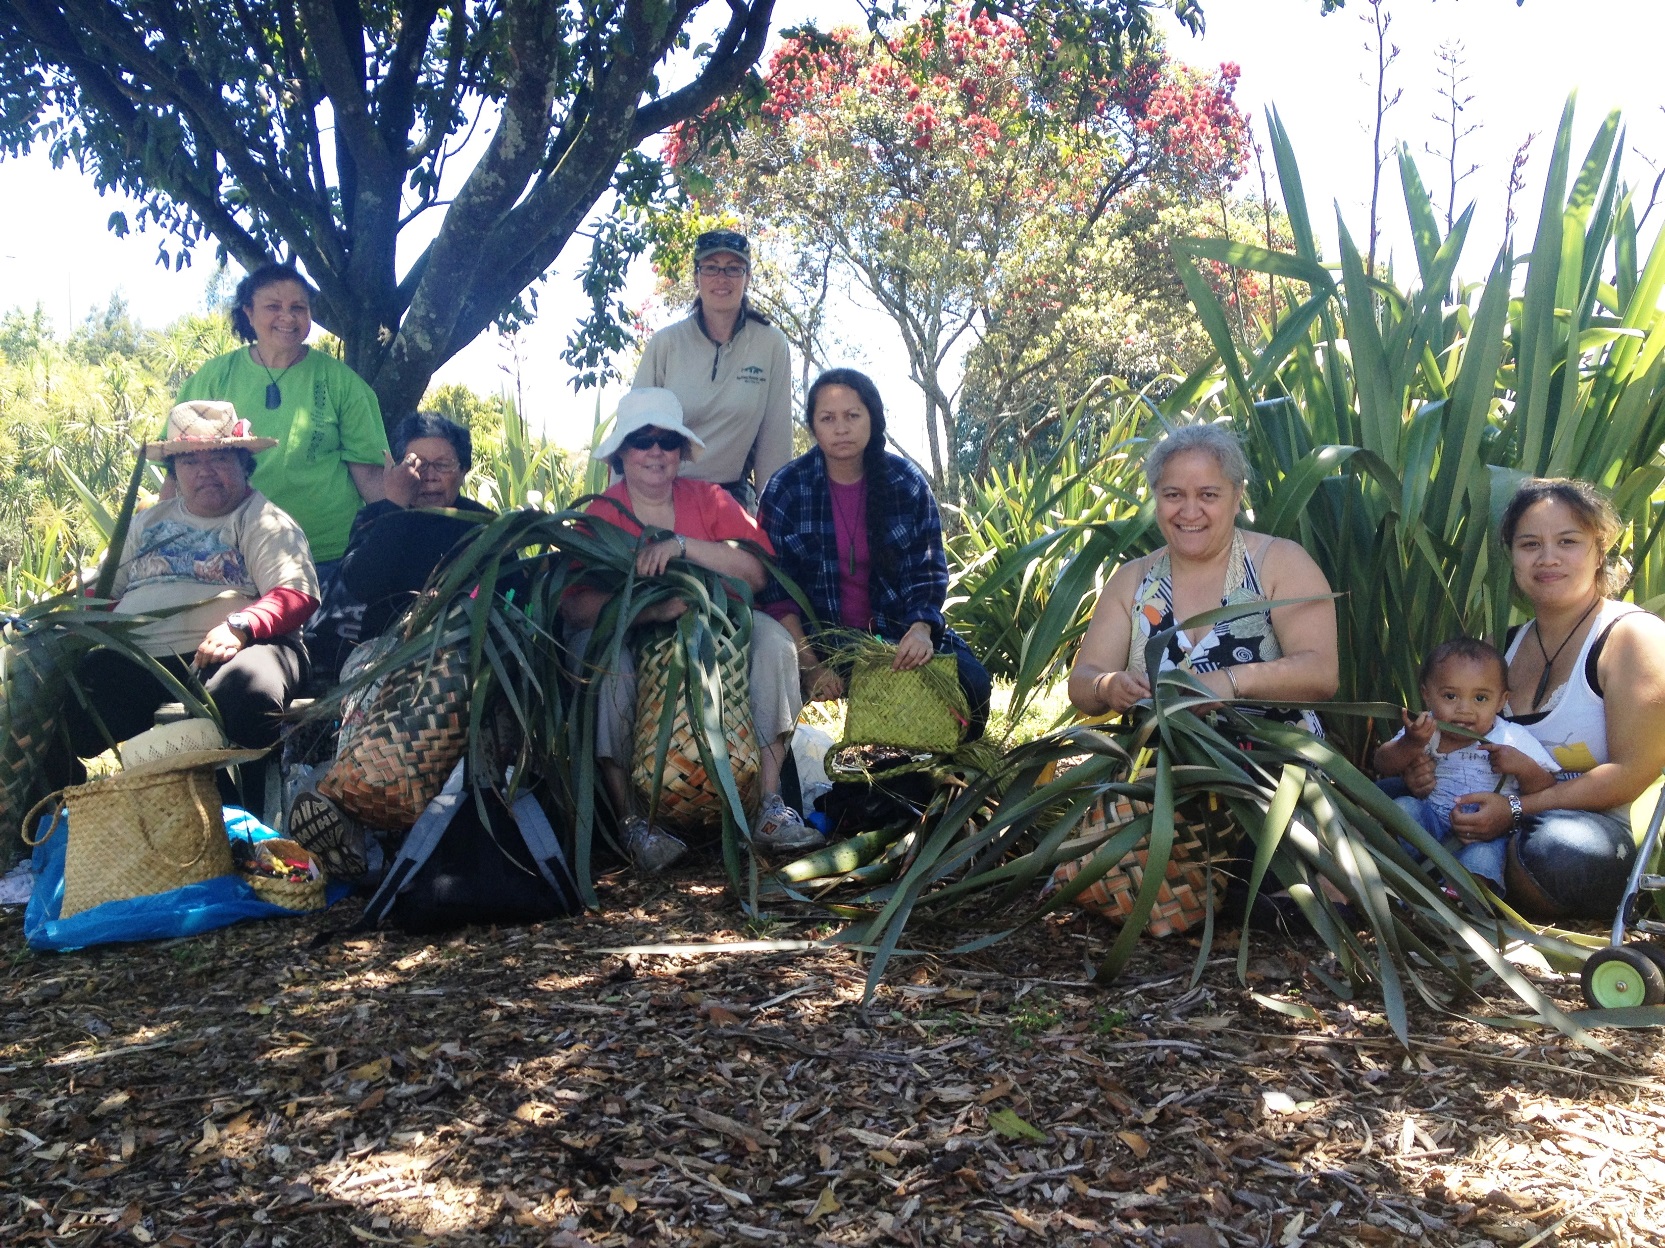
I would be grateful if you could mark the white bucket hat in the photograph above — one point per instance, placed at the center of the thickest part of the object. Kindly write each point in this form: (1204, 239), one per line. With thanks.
(206, 425)
(649, 406)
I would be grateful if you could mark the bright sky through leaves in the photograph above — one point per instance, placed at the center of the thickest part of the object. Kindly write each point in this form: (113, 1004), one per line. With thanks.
(1522, 61)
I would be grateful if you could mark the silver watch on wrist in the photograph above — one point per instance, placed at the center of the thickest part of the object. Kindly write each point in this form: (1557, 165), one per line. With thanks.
(681, 544)
(1517, 816)
(239, 622)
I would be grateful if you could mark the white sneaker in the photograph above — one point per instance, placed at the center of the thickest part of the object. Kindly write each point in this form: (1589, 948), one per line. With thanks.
(779, 827)
(651, 849)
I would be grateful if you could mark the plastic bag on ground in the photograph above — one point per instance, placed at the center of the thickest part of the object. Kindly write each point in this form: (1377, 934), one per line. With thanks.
(199, 907)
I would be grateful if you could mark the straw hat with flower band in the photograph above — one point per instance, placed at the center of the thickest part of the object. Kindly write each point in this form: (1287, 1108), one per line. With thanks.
(206, 425)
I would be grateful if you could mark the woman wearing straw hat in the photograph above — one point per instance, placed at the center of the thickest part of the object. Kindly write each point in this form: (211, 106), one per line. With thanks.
(649, 445)
(231, 580)
(730, 368)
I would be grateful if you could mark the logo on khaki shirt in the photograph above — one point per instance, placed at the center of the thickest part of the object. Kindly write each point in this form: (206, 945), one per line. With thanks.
(753, 374)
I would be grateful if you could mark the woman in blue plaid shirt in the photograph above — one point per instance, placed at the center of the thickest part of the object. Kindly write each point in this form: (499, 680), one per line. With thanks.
(859, 531)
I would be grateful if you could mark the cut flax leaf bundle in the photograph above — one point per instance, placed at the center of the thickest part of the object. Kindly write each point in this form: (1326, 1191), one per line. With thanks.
(497, 601)
(40, 648)
(1303, 808)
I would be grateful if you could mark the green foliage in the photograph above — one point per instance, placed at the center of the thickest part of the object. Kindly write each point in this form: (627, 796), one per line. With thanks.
(1386, 428)
(517, 658)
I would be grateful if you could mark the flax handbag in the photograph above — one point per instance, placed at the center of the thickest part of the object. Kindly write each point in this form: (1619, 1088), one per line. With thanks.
(138, 833)
(1201, 833)
(923, 710)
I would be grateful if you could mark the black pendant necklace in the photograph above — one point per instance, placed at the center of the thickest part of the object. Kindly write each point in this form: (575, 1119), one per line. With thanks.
(274, 395)
(1549, 659)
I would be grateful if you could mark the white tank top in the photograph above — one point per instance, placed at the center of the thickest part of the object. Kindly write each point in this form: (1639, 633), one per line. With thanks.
(1574, 729)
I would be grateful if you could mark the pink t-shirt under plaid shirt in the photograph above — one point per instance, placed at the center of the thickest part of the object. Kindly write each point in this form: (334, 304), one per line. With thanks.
(849, 508)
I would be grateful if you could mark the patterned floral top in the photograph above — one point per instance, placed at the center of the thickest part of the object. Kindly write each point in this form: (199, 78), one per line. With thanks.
(1229, 643)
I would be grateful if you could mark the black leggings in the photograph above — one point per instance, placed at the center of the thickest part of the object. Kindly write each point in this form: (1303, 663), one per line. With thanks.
(251, 691)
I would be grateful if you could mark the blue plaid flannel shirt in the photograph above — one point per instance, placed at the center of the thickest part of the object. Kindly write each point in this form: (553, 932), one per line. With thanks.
(796, 513)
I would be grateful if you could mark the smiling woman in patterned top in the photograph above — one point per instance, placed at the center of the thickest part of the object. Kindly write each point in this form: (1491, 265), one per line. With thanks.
(1198, 474)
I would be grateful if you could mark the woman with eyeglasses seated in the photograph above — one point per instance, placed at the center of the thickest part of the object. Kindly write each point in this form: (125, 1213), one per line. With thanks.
(649, 445)
(731, 370)
(858, 530)
(398, 542)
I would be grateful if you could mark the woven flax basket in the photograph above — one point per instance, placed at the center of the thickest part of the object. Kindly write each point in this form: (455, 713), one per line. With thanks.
(689, 796)
(290, 894)
(412, 734)
(1201, 837)
(135, 835)
(923, 710)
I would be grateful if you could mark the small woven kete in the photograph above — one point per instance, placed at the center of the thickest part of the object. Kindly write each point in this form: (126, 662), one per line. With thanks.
(412, 735)
(140, 834)
(299, 894)
(689, 797)
(1182, 897)
(922, 710)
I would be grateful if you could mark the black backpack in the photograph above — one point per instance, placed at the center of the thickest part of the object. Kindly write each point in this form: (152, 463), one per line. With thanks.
(456, 869)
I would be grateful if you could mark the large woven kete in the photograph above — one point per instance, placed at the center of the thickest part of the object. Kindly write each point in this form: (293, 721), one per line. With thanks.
(410, 739)
(688, 796)
(22, 782)
(132, 836)
(1181, 898)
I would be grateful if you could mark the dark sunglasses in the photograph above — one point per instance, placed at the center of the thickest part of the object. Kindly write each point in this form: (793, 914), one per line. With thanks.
(664, 441)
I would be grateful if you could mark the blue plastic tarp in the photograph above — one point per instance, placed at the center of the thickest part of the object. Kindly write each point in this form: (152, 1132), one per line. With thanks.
(199, 907)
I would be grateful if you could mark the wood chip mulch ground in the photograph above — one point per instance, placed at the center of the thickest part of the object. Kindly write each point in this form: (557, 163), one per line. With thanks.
(522, 1086)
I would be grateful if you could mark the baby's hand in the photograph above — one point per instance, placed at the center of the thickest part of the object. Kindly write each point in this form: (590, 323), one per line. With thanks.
(1507, 760)
(1418, 731)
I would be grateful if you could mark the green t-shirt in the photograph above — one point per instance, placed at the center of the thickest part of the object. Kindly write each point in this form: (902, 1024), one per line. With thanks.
(328, 418)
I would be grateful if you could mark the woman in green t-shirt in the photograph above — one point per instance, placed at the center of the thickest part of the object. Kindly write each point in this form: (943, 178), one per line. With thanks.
(326, 420)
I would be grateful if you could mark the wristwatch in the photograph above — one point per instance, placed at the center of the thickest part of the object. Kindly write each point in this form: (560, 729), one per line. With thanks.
(241, 622)
(681, 544)
(1516, 815)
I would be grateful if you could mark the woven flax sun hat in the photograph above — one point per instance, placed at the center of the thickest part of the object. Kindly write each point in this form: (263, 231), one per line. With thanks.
(645, 406)
(206, 425)
(182, 746)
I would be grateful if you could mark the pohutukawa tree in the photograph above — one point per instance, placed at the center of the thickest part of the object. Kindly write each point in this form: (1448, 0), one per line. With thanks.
(964, 176)
(321, 130)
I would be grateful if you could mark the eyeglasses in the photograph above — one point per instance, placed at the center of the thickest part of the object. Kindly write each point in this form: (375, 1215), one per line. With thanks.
(207, 459)
(437, 467)
(731, 271)
(724, 240)
(664, 441)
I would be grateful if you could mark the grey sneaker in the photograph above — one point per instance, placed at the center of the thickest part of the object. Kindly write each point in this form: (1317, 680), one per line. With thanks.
(779, 827)
(651, 849)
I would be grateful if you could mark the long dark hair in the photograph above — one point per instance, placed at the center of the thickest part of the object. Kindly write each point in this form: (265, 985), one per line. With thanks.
(266, 275)
(881, 489)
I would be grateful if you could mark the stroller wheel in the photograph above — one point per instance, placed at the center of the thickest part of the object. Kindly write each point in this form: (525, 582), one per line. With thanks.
(1622, 976)
(1652, 950)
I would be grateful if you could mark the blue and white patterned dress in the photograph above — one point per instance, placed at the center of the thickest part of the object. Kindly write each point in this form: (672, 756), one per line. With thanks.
(1230, 643)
